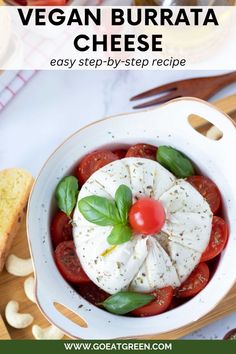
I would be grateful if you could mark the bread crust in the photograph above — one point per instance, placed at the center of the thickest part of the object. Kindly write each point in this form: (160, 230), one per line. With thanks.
(16, 211)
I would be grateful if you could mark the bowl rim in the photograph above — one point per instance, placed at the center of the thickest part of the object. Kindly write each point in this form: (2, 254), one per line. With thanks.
(39, 175)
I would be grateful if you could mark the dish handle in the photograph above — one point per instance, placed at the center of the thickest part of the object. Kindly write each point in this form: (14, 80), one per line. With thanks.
(61, 315)
(192, 106)
(71, 313)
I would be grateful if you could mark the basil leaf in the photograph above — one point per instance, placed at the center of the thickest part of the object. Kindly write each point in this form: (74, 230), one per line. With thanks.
(66, 194)
(99, 210)
(119, 234)
(175, 161)
(124, 302)
(123, 199)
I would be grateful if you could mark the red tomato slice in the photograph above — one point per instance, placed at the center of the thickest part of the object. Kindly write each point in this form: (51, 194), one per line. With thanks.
(92, 293)
(120, 153)
(197, 281)
(147, 216)
(163, 300)
(46, 2)
(143, 150)
(61, 228)
(208, 190)
(92, 162)
(68, 263)
(218, 239)
(21, 2)
(231, 335)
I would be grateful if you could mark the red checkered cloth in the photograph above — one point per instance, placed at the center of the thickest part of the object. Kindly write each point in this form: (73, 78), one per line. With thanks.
(11, 82)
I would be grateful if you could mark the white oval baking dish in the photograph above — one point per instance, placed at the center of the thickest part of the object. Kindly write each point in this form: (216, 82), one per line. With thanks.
(169, 125)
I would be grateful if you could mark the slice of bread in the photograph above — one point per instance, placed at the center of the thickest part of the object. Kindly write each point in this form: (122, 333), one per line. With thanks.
(15, 187)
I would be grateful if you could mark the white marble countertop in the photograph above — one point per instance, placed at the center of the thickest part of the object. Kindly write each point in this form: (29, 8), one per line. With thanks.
(55, 104)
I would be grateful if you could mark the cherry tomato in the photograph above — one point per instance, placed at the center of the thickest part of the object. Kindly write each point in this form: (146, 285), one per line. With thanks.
(68, 263)
(197, 281)
(143, 150)
(92, 293)
(92, 162)
(163, 300)
(61, 228)
(120, 153)
(218, 239)
(147, 216)
(208, 190)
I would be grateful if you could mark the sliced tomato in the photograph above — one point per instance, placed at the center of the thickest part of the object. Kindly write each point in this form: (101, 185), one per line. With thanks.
(21, 2)
(208, 190)
(92, 162)
(46, 2)
(143, 150)
(120, 153)
(68, 263)
(218, 239)
(61, 228)
(92, 293)
(197, 281)
(163, 300)
(231, 335)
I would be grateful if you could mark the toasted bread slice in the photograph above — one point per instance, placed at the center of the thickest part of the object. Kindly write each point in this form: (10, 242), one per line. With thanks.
(15, 187)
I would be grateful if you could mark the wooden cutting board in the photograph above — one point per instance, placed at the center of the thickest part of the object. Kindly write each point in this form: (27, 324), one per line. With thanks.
(11, 288)
(3, 330)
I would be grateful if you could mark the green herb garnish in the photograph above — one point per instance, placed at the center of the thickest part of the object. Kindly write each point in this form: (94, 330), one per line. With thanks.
(123, 199)
(124, 302)
(99, 210)
(66, 194)
(175, 161)
(105, 212)
(119, 234)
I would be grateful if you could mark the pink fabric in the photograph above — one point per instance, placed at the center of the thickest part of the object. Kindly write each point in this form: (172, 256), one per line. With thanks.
(11, 82)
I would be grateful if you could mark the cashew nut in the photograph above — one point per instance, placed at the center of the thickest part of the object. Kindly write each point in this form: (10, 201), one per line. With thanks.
(29, 287)
(18, 266)
(15, 319)
(51, 332)
(214, 133)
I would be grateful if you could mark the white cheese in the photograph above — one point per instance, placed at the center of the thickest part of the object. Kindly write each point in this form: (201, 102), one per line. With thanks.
(143, 263)
(112, 268)
(148, 178)
(188, 216)
(183, 258)
(157, 271)
(112, 176)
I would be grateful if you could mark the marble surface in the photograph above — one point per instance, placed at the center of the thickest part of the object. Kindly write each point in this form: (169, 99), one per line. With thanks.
(55, 104)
